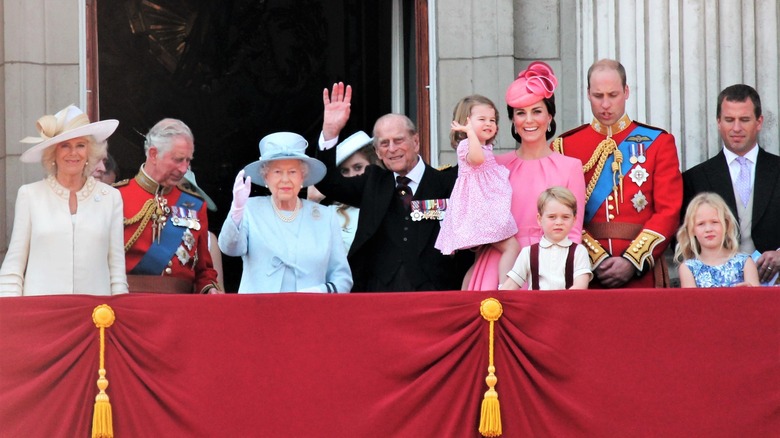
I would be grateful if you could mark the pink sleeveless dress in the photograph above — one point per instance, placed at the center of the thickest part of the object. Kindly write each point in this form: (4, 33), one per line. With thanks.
(529, 178)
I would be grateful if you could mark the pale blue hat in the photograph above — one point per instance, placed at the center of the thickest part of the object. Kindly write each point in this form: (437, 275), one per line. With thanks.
(285, 146)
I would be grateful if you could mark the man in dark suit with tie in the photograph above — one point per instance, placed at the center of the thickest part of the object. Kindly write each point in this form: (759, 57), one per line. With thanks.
(392, 250)
(745, 175)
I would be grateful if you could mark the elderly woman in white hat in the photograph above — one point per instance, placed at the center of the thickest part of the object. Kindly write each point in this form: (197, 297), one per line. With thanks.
(287, 244)
(353, 156)
(68, 233)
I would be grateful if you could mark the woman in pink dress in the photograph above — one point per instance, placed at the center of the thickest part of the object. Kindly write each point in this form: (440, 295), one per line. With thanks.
(533, 166)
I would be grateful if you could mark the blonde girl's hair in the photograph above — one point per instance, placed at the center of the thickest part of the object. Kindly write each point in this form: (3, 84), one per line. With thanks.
(463, 110)
(95, 153)
(560, 194)
(687, 245)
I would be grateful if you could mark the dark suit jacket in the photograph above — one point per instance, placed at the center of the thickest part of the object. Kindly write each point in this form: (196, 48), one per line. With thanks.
(373, 257)
(713, 176)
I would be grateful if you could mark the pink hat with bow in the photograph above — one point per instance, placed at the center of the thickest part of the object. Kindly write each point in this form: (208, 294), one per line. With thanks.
(533, 84)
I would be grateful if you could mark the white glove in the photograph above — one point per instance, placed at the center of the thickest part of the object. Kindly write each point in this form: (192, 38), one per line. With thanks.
(241, 189)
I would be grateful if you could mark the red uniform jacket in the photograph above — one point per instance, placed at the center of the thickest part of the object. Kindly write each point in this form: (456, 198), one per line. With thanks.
(192, 260)
(638, 221)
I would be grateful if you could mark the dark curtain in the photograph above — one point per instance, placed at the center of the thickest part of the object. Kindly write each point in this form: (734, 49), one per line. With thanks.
(648, 363)
(235, 71)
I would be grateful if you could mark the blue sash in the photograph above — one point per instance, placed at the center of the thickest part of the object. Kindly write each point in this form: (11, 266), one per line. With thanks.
(640, 134)
(159, 254)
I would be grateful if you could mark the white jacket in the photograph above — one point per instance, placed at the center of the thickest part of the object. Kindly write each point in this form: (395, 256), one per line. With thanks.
(53, 252)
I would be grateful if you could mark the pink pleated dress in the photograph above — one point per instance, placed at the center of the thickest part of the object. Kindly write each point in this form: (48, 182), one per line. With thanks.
(479, 209)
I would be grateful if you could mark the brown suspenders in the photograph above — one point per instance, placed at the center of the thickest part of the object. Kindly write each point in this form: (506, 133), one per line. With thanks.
(535, 266)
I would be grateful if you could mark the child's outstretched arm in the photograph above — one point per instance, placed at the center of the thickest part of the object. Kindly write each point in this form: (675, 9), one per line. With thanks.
(475, 156)
(686, 276)
(750, 272)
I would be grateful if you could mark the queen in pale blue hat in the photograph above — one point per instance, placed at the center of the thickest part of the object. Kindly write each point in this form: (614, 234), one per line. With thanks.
(287, 244)
(285, 146)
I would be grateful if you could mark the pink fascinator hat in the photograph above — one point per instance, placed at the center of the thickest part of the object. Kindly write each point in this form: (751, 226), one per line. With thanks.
(533, 84)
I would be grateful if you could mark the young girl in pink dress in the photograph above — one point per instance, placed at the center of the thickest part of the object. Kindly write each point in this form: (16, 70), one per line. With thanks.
(479, 209)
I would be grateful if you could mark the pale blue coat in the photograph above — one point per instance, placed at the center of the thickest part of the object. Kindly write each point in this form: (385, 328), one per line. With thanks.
(299, 256)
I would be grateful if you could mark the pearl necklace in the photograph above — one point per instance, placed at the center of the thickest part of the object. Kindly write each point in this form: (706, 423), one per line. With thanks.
(287, 218)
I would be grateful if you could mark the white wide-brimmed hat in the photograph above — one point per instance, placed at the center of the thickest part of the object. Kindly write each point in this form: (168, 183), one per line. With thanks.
(190, 177)
(352, 144)
(285, 146)
(68, 123)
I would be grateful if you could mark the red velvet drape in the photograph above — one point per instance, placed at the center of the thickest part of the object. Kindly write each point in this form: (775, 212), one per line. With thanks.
(650, 363)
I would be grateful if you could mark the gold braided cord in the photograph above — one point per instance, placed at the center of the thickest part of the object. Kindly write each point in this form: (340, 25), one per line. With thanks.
(490, 415)
(143, 215)
(605, 148)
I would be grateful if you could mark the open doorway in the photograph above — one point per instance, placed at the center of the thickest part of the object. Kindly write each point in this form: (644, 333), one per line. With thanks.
(236, 70)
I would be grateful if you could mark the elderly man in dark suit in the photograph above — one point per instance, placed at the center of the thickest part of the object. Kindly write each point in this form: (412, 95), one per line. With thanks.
(393, 248)
(745, 175)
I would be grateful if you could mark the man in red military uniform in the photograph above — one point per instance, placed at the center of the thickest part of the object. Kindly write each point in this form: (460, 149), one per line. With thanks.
(166, 226)
(634, 186)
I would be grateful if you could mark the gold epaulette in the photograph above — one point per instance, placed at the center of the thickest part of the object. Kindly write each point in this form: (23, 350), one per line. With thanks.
(596, 252)
(641, 249)
(124, 182)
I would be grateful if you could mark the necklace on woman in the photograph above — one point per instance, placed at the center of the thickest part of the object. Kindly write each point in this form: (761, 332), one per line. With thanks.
(287, 217)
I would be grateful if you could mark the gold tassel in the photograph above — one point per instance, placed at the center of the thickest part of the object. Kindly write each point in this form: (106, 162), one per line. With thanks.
(490, 418)
(102, 425)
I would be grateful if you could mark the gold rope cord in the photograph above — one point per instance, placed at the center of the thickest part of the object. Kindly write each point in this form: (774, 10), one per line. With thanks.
(490, 416)
(102, 424)
(144, 215)
(605, 148)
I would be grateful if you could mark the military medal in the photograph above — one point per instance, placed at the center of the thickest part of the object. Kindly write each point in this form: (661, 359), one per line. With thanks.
(185, 217)
(428, 209)
(639, 175)
(633, 159)
(182, 255)
(188, 239)
(639, 200)
(641, 158)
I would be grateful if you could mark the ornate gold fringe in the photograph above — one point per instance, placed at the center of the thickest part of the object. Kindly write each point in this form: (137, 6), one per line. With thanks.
(102, 425)
(490, 417)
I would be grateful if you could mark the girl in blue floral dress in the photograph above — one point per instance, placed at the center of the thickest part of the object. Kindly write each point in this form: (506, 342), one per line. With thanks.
(707, 247)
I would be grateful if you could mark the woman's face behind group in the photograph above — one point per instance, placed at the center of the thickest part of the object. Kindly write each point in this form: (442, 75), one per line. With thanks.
(354, 165)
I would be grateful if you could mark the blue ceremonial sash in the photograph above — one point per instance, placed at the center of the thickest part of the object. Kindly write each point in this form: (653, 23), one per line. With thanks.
(159, 254)
(604, 184)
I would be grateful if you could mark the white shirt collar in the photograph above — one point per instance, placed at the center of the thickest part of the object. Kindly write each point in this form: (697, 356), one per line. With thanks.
(415, 174)
(752, 155)
(565, 243)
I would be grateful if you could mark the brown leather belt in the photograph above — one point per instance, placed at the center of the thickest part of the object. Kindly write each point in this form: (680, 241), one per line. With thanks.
(158, 284)
(614, 230)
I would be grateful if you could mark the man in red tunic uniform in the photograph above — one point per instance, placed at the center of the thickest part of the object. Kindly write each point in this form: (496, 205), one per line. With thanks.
(166, 226)
(634, 186)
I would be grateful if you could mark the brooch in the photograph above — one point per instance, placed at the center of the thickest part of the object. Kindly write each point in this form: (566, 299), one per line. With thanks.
(182, 255)
(638, 175)
(639, 200)
(188, 238)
